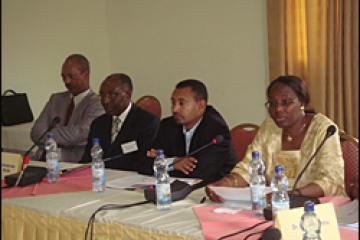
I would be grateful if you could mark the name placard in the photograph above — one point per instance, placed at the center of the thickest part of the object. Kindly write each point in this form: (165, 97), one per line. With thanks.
(288, 222)
(10, 163)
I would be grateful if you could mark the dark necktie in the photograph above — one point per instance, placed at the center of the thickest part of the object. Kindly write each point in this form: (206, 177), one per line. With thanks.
(69, 111)
(115, 128)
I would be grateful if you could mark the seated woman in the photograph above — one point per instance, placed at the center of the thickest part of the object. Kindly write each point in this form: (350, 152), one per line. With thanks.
(288, 137)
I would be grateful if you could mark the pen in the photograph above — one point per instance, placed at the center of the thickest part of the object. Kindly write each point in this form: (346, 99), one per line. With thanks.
(34, 189)
(26, 160)
(19, 177)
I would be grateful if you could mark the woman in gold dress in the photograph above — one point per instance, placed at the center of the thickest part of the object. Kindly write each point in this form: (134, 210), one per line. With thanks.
(289, 136)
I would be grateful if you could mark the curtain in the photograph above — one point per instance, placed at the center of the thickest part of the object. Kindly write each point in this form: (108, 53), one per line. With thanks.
(318, 40)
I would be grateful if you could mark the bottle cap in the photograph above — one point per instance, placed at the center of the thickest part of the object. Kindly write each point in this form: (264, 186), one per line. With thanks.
(309, 206)
(95, 141)
(50, 135)
(255, 155)
(279, 168)
(159, 152)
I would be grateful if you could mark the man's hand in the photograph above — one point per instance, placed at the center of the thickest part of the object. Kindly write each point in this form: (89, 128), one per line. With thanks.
(151, 153)
(186, 164)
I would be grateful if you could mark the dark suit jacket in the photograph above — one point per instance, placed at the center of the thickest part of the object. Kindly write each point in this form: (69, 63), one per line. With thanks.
(139, 126)
(214, 162)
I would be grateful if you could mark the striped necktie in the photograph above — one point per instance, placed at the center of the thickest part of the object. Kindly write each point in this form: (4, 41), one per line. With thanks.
(115, 128)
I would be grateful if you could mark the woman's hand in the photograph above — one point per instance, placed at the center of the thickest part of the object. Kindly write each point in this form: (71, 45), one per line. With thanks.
(211, 194)
(230, 180)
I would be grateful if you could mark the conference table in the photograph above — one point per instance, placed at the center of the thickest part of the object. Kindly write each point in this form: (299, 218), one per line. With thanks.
(61, 211)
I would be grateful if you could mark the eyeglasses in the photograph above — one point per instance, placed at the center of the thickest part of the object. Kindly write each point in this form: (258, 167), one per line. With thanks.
(285, 103)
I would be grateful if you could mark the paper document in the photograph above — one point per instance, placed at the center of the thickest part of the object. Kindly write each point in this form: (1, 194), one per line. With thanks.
(141, 181)
(63, 166)
(235, 194)
(236, 198)
(133, 181)
(348, 214)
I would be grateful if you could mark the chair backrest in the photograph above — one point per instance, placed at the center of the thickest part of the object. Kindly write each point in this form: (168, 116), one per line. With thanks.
(150, 104)
(350, 150)
(241, 136)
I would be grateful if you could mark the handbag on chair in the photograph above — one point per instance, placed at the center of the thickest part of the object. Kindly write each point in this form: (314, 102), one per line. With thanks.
(15, 108)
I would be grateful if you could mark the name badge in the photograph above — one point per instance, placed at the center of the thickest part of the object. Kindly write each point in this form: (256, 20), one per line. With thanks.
(288, 222)
(10, 163)
(129, 147)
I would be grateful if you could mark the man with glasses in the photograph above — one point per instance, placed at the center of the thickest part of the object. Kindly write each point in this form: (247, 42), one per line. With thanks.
(76, 108)
(125, 131)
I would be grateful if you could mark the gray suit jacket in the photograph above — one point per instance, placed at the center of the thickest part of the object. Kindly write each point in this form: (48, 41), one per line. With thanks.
(72, 138)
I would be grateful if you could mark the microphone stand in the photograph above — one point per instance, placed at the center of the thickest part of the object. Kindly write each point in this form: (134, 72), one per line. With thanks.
(25, 157)
(216, 140)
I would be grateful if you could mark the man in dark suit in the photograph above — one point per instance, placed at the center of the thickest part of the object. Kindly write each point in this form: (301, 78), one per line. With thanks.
(193, 125)
(124, 129)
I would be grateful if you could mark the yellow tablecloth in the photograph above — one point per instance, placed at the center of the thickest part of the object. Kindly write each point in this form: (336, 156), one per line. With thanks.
(64, 216)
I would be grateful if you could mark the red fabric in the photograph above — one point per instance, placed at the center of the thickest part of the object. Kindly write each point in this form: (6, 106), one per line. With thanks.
(76, 181)
(150, 104)
(241, 137)
(348, 233)
(351, 162)
(215, 225)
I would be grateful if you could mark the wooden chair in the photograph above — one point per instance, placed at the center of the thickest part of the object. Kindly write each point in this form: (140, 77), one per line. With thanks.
(150, 104)
(350, 150)
(241, 136)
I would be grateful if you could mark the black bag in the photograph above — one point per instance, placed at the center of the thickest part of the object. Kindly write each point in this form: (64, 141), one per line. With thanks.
(15, 108)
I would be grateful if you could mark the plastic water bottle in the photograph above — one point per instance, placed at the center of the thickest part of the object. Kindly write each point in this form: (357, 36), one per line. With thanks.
(279, 186)
(97, 167)
(52, 158)
(163, 190)
(310, 223)
(257, 184)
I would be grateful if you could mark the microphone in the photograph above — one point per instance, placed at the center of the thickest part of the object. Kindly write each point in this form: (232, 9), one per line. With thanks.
(179, 190)
(32, 174)
(298, 201)
(271, 234)
(216, 140)
(53, 123)
(329, 132)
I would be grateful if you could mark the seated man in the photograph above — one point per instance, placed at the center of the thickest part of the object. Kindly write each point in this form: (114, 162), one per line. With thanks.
(125, 131)
(76, 108)
(193, 125)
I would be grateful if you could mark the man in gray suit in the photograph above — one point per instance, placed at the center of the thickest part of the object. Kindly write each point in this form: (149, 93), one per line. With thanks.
(76, 108)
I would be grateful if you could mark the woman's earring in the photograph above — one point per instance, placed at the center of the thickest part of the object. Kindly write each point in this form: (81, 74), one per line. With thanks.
(302, 108)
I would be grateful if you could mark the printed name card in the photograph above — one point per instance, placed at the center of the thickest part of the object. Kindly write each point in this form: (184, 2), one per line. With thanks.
(288, 222)
(10, 163)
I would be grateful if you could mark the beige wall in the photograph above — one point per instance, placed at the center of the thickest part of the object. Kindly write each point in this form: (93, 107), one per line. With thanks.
(157, 43)
(37, 36)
